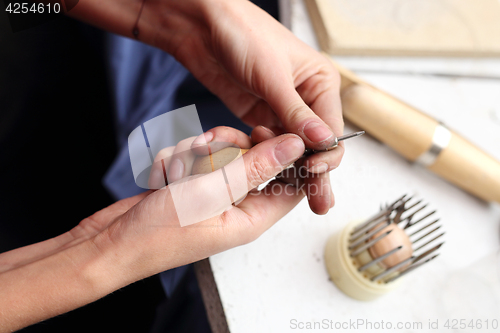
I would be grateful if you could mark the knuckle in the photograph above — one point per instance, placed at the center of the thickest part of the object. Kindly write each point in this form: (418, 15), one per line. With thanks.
(257, 173)
(90, 224)
(223, 131)
(335, 77)
(297, 112)
(186, 142)
(331, 71)
(164, 153)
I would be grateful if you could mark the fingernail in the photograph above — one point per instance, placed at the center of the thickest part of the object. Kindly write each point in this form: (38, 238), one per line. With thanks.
(321, 167)
(203, 139)
(317, 132)
(267, 130)
(289, 150)
(176, 171)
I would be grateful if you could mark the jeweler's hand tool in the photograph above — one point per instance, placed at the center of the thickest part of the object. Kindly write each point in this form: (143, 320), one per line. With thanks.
(419, 137)
(215, 161)
(309, 152)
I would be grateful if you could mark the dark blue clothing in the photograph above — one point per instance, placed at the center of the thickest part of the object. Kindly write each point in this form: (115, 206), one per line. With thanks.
(147, 82)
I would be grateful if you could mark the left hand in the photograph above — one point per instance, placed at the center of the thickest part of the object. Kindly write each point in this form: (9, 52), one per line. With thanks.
(177, 162)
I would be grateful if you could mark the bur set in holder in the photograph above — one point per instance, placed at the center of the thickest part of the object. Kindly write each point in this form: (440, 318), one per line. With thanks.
(367, 259)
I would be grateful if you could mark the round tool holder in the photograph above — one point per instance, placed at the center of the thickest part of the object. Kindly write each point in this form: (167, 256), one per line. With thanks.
(367, 259)
(344, 270)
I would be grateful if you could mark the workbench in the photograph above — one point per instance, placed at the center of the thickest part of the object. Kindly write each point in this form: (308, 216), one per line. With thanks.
(279, 282)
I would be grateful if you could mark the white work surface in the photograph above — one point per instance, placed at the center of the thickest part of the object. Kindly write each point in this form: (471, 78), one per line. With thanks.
(282, 277)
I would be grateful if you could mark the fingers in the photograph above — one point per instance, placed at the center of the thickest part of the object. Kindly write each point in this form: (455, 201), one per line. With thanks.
(321, 93)
(311, 179)
(218, 138)
(298, 118)
(316, 187)
(260, 113)
(261, 133)
(201, 197)
(319, 193)
(270, 157)
(107, 215)
(260, 211)
(174, 163)
(309, 105)
(171, 164)
(181, 162)
(267, 159)
(324, 161)
(158, 173)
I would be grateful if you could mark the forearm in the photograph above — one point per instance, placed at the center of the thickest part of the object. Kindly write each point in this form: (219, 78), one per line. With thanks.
(24, 255)
(160, 23)
(116, 16)
(30, 253)
(59, 283)
(141, 236)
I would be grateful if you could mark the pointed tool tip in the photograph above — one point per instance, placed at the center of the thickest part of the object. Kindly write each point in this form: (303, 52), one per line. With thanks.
(351, 135)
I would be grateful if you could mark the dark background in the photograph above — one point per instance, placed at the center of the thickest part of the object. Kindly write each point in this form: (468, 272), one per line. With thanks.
(56, 142)
(35, 15)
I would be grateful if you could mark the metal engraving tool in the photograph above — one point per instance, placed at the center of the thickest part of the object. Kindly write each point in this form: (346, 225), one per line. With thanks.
(218, 159)
(337, 140)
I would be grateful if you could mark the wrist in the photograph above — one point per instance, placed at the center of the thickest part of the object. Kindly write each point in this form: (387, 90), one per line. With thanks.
(58, 283)
(111, 264)
(170, 23)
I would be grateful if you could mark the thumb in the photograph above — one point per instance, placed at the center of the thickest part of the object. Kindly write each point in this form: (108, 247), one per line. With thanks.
(199, 198)
(270, 157)
(297, 117)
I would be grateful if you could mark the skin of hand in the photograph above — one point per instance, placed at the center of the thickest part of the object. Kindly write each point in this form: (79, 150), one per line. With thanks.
(141, 236)
(259, 69)
(177, 162)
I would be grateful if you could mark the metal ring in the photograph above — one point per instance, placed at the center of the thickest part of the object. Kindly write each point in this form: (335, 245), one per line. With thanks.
(440, 140)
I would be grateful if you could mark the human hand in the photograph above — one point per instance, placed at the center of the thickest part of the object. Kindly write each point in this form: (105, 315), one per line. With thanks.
(264, 74)
(143, 235)
(258, 68)
(174, 163)
(152, 228)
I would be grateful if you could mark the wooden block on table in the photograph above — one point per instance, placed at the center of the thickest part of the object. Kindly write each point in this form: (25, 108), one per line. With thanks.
(407, 27)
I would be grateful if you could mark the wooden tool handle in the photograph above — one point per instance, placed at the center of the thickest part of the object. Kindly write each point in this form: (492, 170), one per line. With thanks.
(215, 161)
(410, 133)
(465, 165)
(401, 127)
